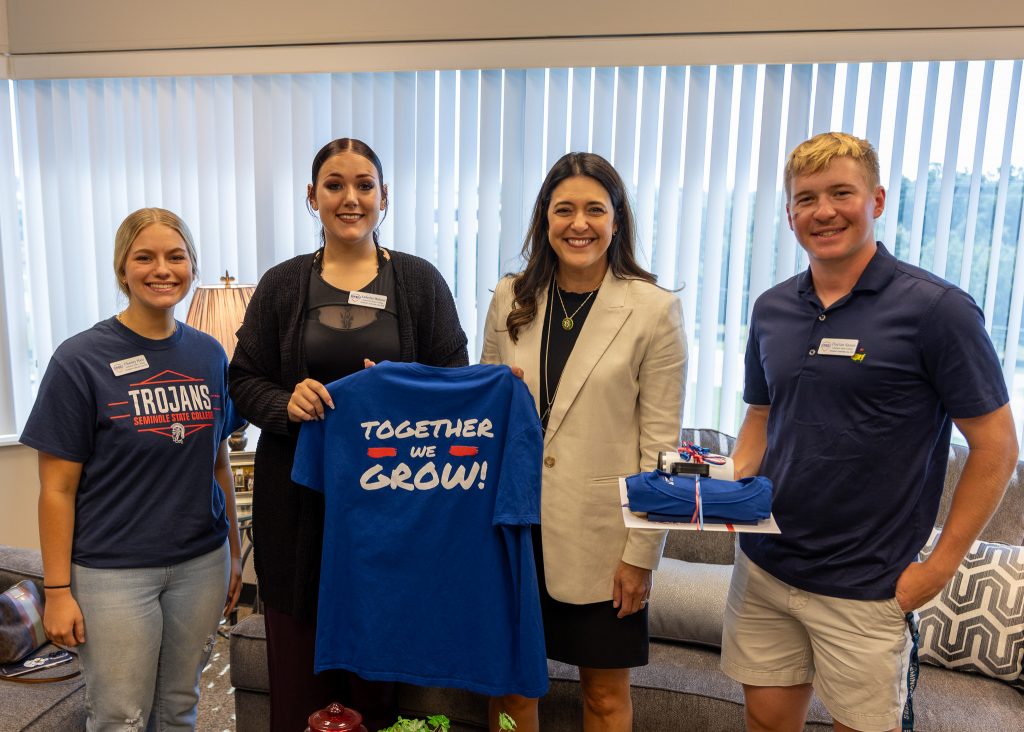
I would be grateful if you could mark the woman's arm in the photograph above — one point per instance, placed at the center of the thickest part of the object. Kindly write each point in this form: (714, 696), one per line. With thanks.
(255, 372)
(445, 343)
(662, 386)
(490, 352)
(58, 485)
(222, 473)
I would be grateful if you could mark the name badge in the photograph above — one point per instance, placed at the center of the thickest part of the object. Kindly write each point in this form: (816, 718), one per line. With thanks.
(129, 365)
(838, 346)
(368, 299)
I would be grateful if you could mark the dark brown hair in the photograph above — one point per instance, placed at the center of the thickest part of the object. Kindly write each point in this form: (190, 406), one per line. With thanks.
(352, 145)
(541, 260)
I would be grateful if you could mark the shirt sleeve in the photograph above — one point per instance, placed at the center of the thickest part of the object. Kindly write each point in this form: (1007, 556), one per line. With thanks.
(518, 499)
(63, 418)
(960, 358)
(308, 466)
(232, 420)
(755, 383)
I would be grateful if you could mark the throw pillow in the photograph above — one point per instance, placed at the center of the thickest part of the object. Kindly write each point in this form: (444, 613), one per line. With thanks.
(688, 601)
(21, 621)
(977, 622)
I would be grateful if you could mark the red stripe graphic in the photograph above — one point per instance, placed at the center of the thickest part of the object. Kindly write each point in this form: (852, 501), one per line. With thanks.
(121, 416)
(462, 450)
(159, 379)
(115, 404)
(379, 452)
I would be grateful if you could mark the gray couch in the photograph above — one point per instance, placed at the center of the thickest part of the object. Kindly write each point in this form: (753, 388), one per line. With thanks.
(37, 707)
(682, 687)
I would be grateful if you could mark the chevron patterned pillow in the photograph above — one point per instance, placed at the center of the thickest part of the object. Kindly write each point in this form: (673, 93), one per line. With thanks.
(977, 622)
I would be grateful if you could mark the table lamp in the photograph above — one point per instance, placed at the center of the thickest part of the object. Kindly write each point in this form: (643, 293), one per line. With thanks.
(218, 311)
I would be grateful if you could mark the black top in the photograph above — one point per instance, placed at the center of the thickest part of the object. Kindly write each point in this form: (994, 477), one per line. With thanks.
(557, 342)
(338, 334)
(269, 360)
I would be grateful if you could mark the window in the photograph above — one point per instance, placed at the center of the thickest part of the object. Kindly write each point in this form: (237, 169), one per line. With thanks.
(464, 154)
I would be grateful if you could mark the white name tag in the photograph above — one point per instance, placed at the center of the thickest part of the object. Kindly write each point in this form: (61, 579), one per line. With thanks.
(129, 365)
(368, 299)
(838, 346)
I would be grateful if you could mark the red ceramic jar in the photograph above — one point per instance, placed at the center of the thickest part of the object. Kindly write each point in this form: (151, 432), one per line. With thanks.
(336, 717)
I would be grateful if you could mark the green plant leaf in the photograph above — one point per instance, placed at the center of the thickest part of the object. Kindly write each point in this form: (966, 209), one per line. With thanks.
(435, 723)
(439, 722)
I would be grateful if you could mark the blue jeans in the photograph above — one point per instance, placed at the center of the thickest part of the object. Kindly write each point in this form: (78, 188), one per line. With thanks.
(148, 635)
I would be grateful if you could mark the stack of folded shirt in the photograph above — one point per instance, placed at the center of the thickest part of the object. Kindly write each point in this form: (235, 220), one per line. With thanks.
(689, 499)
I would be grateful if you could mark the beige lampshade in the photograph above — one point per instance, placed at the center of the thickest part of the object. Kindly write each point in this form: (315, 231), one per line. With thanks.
(218, 310)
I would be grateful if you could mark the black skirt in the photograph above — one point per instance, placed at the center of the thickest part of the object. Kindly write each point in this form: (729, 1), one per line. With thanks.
(589, 635)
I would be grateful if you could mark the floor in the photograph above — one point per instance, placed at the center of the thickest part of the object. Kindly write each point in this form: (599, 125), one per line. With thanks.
(216, 695)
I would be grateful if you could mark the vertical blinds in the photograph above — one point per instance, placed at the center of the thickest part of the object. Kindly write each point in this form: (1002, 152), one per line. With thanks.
(464, 153)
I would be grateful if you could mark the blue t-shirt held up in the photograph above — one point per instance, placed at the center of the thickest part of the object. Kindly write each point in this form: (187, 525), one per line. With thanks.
(431, 479)
(146, 419)
(862, 395)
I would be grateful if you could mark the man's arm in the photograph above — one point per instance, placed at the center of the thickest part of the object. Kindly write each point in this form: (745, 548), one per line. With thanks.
(752, 441)
(992, 457)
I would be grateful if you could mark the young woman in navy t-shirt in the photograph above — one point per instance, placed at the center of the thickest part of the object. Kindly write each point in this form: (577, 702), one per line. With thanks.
(136, 507)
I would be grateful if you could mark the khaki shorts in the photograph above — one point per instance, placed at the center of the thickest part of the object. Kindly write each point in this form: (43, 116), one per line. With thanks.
(857, 653)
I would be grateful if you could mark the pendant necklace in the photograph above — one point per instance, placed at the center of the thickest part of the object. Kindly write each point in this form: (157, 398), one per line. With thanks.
(567, 322)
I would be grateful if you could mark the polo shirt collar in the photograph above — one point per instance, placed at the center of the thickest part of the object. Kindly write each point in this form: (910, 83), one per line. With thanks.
(875, 276)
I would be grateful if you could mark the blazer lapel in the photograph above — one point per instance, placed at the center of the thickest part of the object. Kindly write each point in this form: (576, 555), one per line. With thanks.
(603, 322)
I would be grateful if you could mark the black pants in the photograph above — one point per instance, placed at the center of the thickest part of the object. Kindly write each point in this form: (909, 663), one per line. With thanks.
(296, 692)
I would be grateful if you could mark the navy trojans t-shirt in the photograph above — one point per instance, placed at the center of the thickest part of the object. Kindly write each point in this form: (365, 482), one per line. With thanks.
(431, 479)
(145, 418)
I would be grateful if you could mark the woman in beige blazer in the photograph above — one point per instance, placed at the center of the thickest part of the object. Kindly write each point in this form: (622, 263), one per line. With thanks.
(603, 351)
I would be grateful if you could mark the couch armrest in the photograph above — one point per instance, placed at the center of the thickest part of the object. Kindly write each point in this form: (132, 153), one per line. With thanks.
(19, 564)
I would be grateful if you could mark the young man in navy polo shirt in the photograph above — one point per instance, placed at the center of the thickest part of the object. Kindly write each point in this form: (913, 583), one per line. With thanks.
(855, 371)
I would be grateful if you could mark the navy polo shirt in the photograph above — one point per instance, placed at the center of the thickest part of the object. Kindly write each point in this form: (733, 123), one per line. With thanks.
(858, 443)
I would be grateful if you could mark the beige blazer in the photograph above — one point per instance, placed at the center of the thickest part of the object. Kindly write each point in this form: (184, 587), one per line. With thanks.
(618, 404)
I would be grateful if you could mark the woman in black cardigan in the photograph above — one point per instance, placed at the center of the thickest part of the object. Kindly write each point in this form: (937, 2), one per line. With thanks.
(314, 319)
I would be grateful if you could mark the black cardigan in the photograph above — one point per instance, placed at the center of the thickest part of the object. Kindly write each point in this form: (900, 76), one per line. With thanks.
(269, 361)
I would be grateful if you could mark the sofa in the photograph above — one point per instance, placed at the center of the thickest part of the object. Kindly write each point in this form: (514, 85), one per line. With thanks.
(37, 707)
(682, 687)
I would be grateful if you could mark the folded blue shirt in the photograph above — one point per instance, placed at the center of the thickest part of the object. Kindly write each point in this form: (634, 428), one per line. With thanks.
(672, 498)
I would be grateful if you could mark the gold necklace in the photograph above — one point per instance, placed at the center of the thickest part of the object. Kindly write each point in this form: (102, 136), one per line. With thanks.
(567, 322)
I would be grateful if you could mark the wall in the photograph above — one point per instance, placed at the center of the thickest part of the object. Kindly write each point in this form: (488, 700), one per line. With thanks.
(19, 491)
(66, 39)
(4, 74)
(48, 26)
